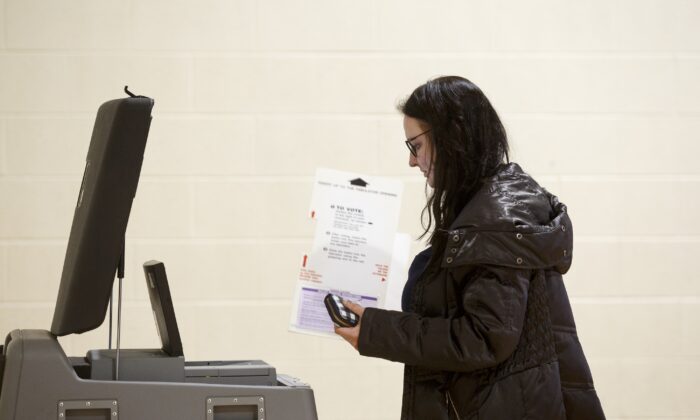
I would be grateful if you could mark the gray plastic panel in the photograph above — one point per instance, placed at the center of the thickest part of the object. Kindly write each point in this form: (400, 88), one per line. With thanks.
(84, 408)
(235, 408)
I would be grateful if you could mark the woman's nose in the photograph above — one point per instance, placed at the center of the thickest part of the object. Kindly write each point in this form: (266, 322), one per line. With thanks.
(412, 161)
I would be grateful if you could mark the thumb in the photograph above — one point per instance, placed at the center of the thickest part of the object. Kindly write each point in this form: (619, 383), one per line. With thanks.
(350, 304)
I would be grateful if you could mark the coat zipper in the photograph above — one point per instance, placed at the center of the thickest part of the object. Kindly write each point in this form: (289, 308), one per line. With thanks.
(448, 398)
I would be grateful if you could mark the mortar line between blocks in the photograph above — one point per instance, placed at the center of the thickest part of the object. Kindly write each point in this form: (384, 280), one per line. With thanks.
(311, 54)
(353, 115)
(308, 178)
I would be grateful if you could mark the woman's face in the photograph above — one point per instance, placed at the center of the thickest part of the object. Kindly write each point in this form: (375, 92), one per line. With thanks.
(421, 144)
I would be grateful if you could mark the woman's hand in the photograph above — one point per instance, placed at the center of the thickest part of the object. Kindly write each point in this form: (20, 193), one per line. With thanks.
(351, 335)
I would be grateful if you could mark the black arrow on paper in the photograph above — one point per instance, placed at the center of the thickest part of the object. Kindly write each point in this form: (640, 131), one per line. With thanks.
(359, 182)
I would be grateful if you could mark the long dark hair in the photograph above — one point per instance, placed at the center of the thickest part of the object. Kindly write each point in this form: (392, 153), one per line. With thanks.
(468, 143)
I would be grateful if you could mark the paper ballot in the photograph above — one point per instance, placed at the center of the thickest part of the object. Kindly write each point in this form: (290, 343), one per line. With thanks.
(355, 247)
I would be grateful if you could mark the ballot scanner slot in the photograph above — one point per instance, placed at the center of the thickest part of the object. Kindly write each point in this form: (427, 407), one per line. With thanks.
(239, 372)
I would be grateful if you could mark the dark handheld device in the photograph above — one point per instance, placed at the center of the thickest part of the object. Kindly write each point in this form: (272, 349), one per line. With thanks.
(340, 315)
(162, 305)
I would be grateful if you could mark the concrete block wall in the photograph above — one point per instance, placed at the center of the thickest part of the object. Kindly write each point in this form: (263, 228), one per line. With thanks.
(601, 100)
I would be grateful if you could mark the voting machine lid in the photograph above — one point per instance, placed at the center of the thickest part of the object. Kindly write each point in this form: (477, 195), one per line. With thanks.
(112, 170)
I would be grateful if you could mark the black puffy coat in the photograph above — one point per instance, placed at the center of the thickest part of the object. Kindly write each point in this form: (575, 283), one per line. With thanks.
(491, 335)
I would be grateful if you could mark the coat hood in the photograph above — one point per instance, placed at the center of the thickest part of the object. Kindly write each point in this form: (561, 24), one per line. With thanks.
(511, 221)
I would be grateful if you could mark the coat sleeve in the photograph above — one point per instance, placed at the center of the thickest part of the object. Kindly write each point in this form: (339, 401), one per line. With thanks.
(486, 334)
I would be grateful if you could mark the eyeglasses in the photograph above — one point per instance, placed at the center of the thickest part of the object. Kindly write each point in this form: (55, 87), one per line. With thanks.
(411, 146)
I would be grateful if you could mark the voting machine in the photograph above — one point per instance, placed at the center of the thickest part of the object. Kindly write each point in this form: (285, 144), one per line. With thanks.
(38, 380)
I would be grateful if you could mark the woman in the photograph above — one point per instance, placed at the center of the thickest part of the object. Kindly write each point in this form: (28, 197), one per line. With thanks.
(487, 330)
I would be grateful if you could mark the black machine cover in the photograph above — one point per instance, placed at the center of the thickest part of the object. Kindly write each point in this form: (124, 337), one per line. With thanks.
(109, 184)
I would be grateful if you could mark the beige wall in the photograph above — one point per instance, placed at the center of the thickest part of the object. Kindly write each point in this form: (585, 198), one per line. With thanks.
(601, 99)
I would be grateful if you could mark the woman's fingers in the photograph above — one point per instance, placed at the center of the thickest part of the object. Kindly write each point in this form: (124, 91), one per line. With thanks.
(358, 309)
(351, 335)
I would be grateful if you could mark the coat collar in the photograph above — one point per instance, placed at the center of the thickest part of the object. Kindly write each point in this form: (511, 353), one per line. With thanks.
(511, 221)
